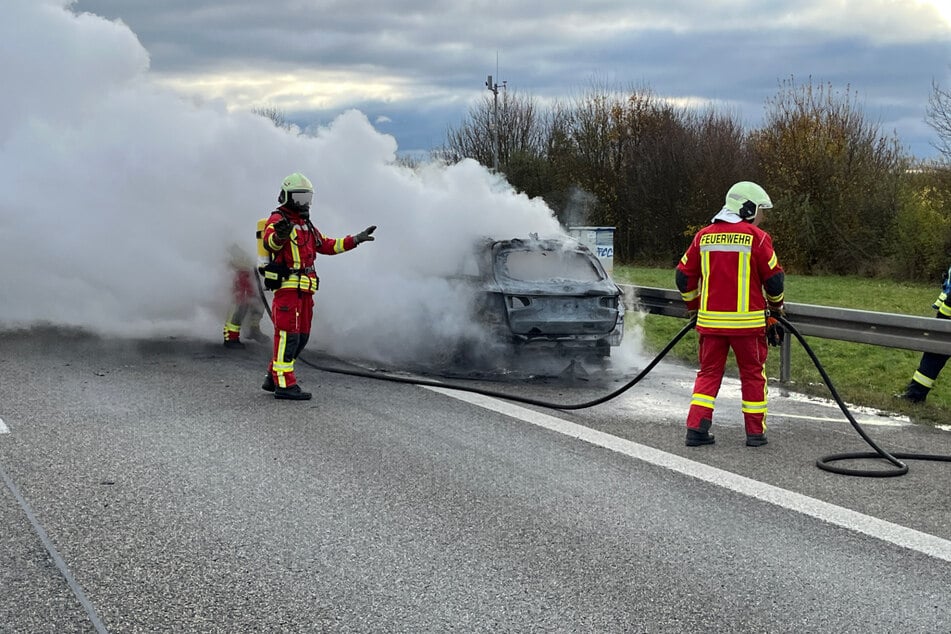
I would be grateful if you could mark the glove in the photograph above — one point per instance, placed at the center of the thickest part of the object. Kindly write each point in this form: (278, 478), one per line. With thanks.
(364, 236)
(282, 229)
(775, 333)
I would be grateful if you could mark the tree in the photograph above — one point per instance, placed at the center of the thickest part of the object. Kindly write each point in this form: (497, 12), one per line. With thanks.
(834, 179)
(276, 115)
(939, 118)
(521, 132)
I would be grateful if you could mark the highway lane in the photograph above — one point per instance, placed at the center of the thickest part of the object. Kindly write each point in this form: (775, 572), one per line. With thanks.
(180, 497)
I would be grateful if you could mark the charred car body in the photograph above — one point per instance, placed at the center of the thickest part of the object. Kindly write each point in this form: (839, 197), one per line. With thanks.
(550, 293)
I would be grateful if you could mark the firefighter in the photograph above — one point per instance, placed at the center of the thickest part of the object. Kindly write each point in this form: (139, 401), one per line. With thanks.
(732, 282)
(245, 303)
(931, 362)
(293, 243)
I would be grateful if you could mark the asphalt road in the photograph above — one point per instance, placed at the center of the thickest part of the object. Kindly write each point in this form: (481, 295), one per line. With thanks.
(153, 487)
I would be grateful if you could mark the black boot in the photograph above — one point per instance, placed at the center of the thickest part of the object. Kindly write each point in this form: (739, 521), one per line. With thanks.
(292, 393)
(234, 344)
(268, 385)
(914, 393)
(756, 440)
(702, 436)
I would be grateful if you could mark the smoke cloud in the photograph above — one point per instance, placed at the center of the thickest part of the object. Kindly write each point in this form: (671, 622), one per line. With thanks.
(119, 199)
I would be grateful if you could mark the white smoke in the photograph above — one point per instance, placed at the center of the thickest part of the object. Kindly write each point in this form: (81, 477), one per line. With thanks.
(119, 200)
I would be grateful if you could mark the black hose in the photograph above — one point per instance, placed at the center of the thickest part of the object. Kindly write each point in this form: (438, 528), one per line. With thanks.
(893, 458)
(823, 463)
(518, 399)
(476, 390)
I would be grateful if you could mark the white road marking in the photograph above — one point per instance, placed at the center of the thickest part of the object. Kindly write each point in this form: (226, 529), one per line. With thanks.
(874, 422)
(3, 428)
(852, 520)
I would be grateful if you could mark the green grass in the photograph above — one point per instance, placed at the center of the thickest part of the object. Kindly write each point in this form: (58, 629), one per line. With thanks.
(862, 374)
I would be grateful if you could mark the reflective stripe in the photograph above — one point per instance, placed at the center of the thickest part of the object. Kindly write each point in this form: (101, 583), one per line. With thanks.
(753, 407)
(716, 319)
(703, 400)
(295, 251)
(304, 283)
(738, 248)
(338, 245)
(232, 327)
(704, 275)
(743, 282)
(280, 366)
(928, 382)
(690, 295)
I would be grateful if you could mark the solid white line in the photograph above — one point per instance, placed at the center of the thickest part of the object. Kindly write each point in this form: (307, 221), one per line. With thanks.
(3, 428)
(54, 554)
(880, 529)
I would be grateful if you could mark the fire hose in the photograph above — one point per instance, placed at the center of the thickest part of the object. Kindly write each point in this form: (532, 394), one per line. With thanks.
(824, 463)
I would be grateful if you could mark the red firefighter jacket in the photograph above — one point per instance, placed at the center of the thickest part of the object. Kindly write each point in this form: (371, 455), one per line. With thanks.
(299, 251)
(724, 272)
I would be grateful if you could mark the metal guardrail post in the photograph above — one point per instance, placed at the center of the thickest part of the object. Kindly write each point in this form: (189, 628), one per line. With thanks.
(785, 359)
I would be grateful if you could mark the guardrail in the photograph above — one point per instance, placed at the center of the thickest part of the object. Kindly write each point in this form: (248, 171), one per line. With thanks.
(925, 334)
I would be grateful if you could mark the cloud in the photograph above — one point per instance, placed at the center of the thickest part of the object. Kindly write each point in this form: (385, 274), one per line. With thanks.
(119, 199)
(318, 59)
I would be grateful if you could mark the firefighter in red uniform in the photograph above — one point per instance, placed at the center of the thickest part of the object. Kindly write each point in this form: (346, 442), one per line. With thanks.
(246, 306)
(722, 278)
(293, 243)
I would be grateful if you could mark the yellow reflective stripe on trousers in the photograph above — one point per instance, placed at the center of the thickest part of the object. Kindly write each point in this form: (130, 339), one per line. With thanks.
(928, 382)
(703, 400)
(753, 407)
(282, 367)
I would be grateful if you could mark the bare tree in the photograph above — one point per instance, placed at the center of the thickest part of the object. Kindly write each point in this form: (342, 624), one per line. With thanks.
(275, 114)
(939, 118)
(521, 131)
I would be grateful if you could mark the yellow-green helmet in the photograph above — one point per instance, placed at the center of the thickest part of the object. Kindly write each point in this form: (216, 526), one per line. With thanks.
(745, 197)
(297, 192)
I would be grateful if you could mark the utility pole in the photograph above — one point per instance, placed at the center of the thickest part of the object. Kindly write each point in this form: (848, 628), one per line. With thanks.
(494, 124)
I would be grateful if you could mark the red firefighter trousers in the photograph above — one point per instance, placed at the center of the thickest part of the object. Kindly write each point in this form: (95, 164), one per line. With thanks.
(750, 352)
(292, 312)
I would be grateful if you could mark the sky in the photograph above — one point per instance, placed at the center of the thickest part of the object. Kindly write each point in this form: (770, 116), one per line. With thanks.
(415, 67)
(121, 201)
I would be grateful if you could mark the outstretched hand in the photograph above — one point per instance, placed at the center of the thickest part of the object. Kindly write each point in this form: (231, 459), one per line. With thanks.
(366, 235)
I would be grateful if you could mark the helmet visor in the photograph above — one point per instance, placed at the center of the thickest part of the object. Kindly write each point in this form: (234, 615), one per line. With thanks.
(300, 199)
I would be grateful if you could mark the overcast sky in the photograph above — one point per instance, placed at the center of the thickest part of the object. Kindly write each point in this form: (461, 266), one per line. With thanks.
(414, 67)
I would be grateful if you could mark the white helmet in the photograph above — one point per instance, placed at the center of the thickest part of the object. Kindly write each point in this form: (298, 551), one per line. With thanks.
(297, 192)
(745, 197)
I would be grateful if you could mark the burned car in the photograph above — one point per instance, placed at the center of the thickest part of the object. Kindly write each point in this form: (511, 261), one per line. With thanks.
(549, 293)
